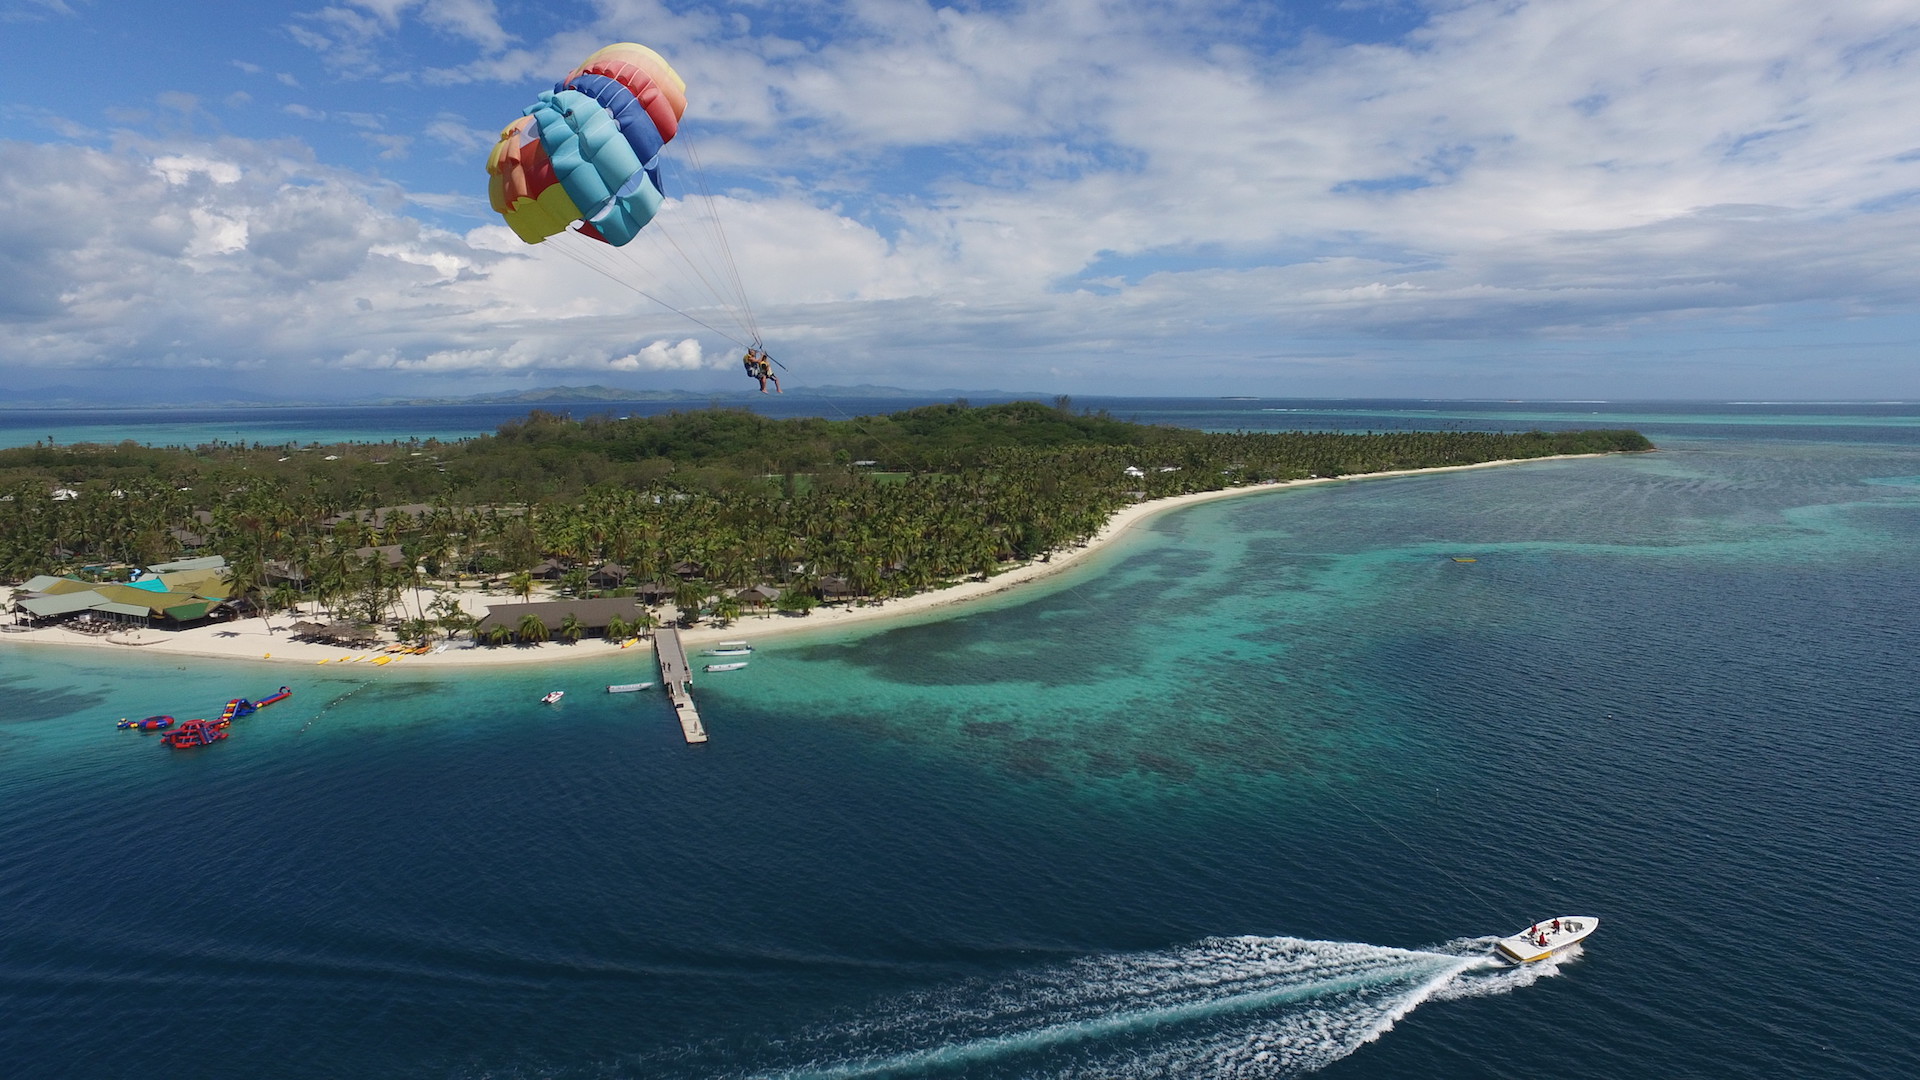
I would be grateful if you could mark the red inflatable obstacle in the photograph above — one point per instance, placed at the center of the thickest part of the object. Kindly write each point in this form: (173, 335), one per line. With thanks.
(196, 733)
(207, 732)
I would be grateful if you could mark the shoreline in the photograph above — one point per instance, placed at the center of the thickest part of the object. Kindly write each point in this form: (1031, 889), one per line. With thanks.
(267, 640)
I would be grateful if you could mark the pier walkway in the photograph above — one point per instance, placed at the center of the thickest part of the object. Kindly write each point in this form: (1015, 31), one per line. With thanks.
(677, 676)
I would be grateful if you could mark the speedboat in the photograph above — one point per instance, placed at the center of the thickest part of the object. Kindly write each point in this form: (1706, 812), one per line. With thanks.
(728, 652)
(554, 697)
(736, 666)
(1543, 939)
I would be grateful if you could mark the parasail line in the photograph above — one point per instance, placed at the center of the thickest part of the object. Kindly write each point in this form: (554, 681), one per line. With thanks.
(610, 275)
(726, 249)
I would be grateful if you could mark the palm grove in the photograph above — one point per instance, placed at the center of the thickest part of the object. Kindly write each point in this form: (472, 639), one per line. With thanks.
(693, 506)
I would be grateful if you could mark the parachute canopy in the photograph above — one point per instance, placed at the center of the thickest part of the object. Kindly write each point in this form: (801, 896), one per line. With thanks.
(588, 150)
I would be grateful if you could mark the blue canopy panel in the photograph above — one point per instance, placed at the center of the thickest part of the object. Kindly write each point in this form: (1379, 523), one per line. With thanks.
(595, 164)
(635, 124)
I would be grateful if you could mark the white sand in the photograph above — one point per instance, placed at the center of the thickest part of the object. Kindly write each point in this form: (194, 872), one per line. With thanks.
(269, 639)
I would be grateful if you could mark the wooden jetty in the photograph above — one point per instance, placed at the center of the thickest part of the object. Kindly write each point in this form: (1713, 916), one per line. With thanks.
(677, 676)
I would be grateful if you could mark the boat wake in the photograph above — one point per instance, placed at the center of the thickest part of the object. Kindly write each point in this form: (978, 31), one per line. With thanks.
(1250, 1007)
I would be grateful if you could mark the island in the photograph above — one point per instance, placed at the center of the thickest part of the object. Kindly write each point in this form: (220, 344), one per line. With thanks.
(556, 530)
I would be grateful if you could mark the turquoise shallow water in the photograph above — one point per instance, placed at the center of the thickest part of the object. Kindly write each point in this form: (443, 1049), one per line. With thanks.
(1240, 798)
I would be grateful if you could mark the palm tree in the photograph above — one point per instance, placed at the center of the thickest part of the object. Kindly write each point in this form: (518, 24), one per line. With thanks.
(571, 628)
(244, 579)
(284, 597)
(618, 628)
(453, 618)
(687, 598)
(532, 628)
(521, 585)
(498, 634)
(798, 600)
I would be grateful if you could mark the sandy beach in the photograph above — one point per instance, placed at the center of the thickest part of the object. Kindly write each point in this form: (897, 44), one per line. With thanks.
(269, 640)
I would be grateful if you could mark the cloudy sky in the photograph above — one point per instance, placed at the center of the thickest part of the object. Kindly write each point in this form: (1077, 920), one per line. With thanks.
(1558, 199)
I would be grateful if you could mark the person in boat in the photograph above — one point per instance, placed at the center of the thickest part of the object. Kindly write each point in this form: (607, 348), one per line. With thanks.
(760, 366)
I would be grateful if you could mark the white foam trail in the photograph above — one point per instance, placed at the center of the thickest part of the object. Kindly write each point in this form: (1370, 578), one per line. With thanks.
(1244, 1007)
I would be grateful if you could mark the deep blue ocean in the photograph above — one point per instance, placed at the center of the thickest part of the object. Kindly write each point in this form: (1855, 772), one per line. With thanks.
(1245, 795)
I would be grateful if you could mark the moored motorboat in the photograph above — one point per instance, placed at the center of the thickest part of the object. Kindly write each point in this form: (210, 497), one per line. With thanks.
(735, 666)
(554, 696)
(1543, 939)
(629, 688)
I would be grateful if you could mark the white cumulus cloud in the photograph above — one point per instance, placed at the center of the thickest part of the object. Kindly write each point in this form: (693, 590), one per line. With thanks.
(684, 355)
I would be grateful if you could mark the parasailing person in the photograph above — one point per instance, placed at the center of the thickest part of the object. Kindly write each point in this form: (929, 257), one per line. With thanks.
(760, 366)
(582, 165)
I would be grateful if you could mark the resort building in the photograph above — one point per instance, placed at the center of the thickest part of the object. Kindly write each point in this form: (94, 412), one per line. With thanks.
(593, 616)
(164, 596)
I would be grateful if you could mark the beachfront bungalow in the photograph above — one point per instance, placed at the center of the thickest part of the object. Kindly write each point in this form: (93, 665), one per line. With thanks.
(757, 596)
(835, 587)
(388, 553)
(549, 570)
(280, 572)
(653, 592)
(593, 615)
(608, 576)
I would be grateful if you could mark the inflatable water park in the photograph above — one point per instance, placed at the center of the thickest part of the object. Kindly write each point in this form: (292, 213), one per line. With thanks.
(203, 732)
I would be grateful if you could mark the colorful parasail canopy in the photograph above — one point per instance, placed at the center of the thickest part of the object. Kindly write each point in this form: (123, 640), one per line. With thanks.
(589, 149)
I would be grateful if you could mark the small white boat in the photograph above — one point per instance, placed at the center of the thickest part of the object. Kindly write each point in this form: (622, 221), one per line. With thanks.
(732, 645)
(1543, 939)
(735, 666)
(727, 652)
(554, 696)
(629, 688)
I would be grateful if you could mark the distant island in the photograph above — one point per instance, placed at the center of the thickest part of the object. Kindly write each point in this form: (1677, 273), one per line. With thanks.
(709, 511)
(105, 397)
(572, 395)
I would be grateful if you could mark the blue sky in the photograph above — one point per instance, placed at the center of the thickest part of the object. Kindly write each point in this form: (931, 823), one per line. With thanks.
(1578, 199)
